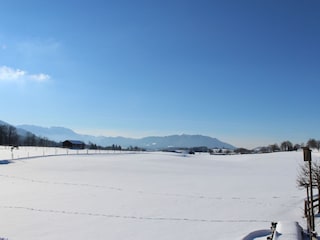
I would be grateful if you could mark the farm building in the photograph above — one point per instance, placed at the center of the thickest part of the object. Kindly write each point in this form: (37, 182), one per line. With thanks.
(73, 144)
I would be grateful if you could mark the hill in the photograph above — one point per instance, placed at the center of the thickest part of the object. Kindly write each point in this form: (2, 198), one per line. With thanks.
(152, 142)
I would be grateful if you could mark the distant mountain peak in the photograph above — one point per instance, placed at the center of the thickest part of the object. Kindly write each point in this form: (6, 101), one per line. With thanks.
(184, 140)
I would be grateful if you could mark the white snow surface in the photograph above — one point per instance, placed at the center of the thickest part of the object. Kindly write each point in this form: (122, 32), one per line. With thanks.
(80, 194)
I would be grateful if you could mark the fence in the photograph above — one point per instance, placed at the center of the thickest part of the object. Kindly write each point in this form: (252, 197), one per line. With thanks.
(309, 208)
(8, 153)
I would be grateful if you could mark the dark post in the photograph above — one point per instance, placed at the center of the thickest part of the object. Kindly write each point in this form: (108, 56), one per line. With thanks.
(307, 158)
(308, 210)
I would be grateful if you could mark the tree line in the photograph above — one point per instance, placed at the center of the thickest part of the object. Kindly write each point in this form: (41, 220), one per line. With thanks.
(285, 146)
(9, 136)
(113, 147)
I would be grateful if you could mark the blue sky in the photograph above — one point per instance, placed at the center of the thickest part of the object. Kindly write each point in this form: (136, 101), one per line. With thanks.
(246, 72)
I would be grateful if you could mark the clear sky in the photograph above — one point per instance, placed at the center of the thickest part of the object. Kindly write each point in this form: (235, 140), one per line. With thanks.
(246, 72)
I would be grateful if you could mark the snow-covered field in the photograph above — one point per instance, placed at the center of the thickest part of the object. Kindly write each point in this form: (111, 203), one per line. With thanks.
(152, 195)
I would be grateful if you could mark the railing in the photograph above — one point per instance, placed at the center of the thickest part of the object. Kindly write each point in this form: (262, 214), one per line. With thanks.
(306, 205)
(309, 208)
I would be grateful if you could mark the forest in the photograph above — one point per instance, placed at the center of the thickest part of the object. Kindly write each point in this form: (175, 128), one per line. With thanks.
(10, 136)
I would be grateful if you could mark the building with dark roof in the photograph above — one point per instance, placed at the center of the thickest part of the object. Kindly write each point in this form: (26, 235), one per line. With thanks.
(73, 144)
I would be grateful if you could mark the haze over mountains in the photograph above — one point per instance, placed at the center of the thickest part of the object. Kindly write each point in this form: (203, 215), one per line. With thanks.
(153, 142)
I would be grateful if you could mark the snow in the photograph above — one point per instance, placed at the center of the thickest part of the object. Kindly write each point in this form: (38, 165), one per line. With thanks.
(288, 230)
(81, 194)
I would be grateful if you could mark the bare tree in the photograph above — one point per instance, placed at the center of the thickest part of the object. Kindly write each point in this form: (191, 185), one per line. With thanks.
(30, 139)
(3, 134)
(312, 143)
(303, 176)
(303, 180)
(286, 146)
(296, 147)
(274, 147)
(12, 136)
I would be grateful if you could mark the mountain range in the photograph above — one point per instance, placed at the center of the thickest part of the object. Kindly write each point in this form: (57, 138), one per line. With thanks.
(153, 142)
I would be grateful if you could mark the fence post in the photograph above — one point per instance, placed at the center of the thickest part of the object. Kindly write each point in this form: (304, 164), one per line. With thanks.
(307, 158)
(305, 208)
(318, 202)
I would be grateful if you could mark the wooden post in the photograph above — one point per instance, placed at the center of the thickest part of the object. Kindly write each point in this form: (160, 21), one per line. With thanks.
(307, 158)
(307, 211)
(318, 201)
(311, 198)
